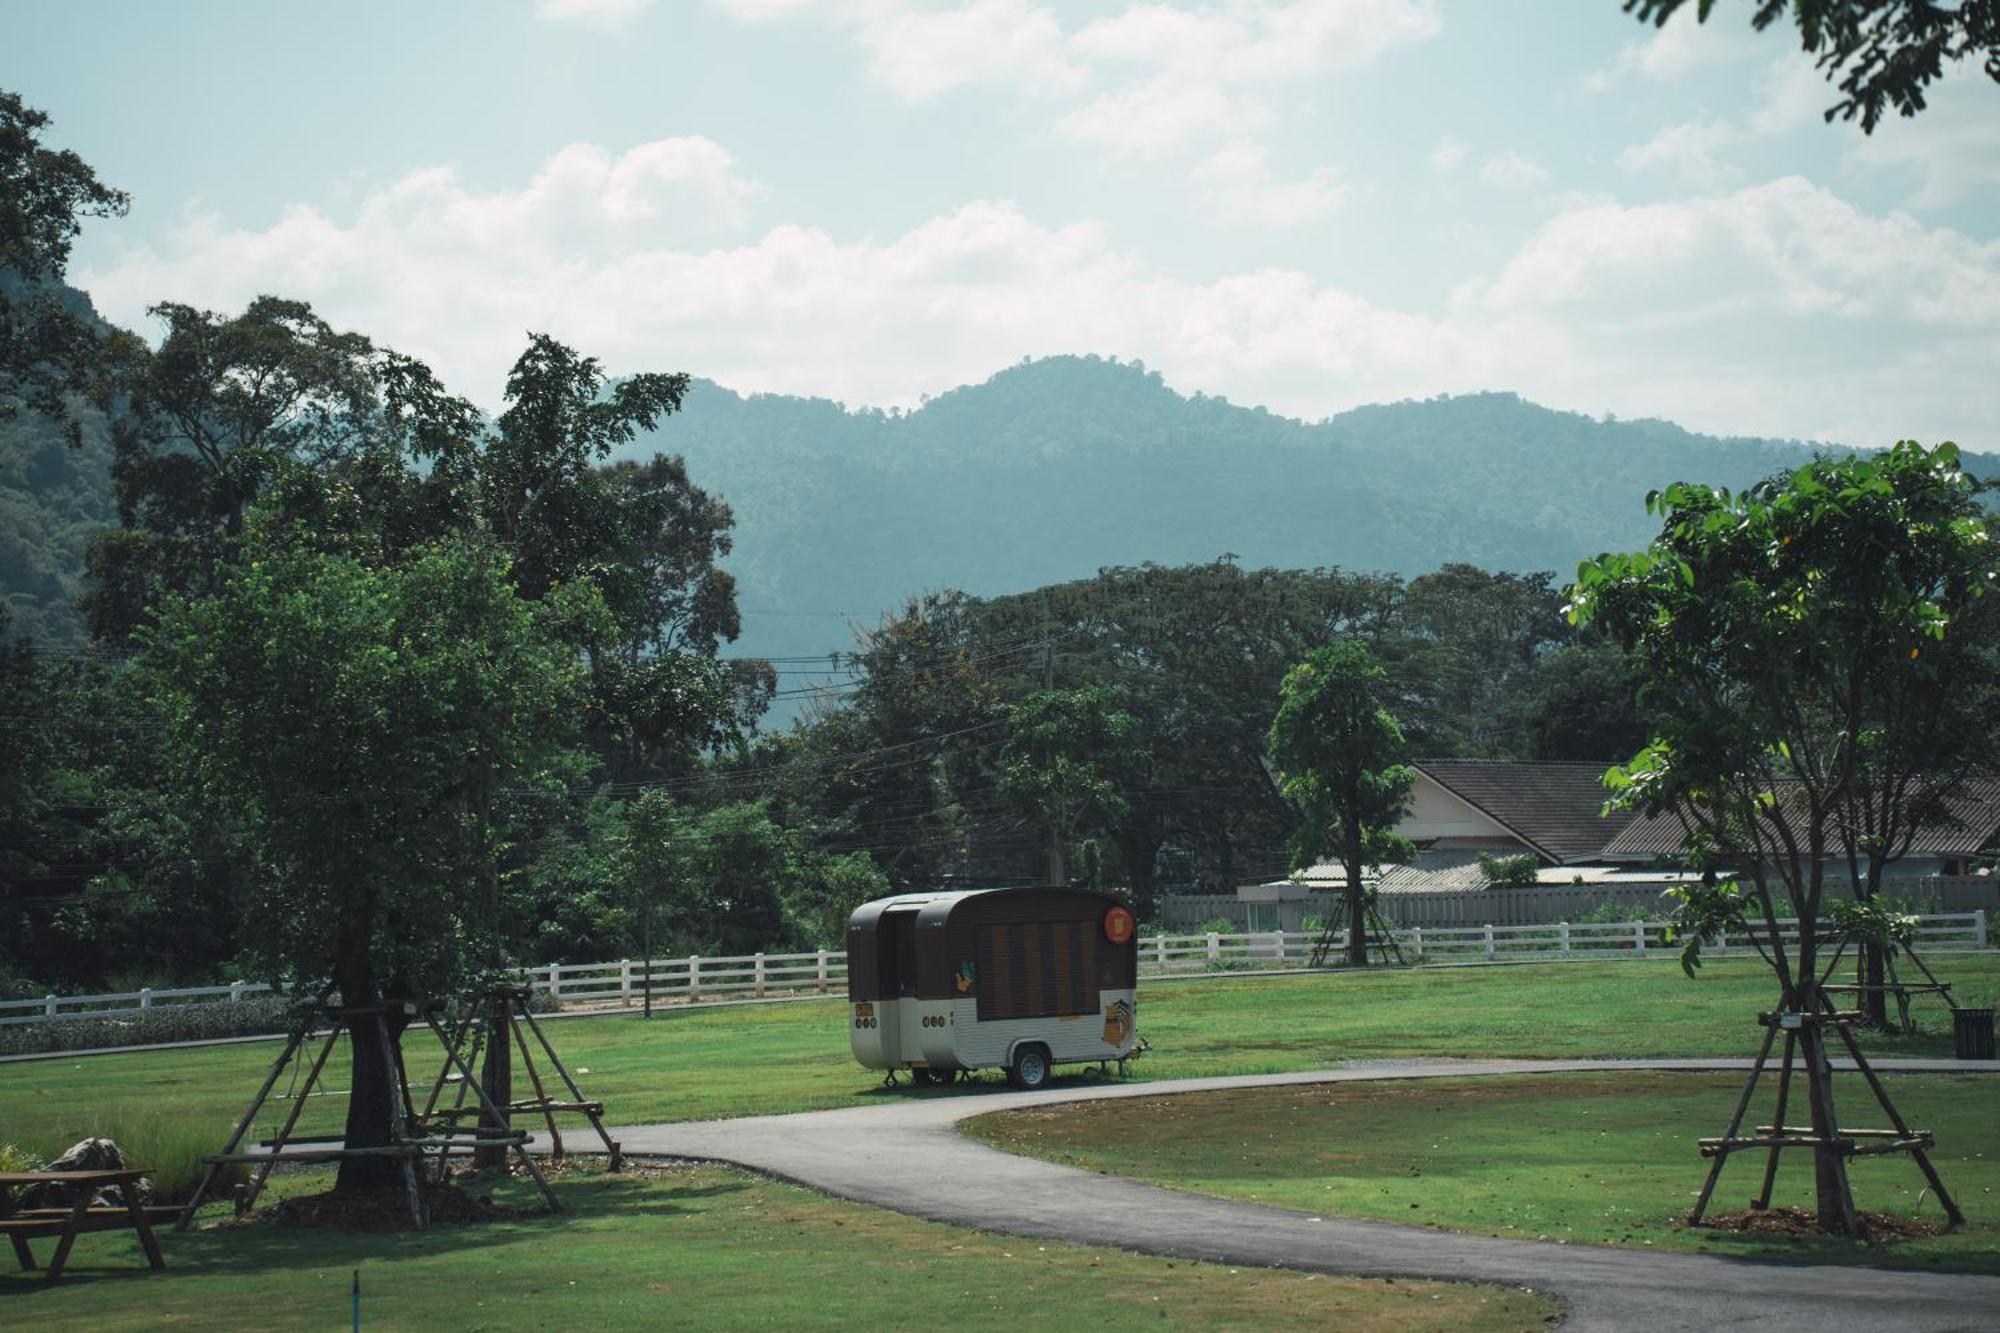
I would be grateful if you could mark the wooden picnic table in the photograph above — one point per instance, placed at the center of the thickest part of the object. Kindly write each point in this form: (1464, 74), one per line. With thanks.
(20, 1224)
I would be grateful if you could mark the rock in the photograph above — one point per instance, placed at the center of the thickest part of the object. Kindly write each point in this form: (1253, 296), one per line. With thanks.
(88, 1155)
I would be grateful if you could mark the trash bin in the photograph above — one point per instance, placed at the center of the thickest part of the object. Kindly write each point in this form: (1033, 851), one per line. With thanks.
(1972, 1034)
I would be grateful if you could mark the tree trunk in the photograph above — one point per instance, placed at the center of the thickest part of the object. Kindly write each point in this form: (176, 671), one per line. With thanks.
(371, 1101)
(1140, 850)
(1357, 899)
(497, 1077)
(1833, 1199)
(1872, 969)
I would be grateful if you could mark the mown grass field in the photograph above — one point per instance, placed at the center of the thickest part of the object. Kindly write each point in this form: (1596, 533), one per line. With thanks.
(702, 1064)
(704, 1248)
(1598, 1158)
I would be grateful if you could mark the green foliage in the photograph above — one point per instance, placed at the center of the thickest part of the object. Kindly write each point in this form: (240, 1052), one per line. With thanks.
(344, 725)
(1885, 52)
(1703, 910)
(1510, 872)
(254, 1015)
(1808, 649)
(1873, 922)
(1063, 751)
(1337, 751)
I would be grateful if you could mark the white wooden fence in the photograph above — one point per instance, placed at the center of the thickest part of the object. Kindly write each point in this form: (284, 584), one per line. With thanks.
(694, 979)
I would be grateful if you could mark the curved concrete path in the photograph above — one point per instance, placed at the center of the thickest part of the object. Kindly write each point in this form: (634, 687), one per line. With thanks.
(908, 1155)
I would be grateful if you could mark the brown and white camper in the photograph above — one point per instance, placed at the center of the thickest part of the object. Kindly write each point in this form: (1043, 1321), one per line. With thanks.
(1014, 979)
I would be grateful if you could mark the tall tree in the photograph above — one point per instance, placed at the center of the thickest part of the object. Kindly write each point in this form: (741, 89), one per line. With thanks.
(1885, 53)
(1063, 750)
(341, 724)
(211, 416)
(1339, 754)
(48, 347)
(1793, 640)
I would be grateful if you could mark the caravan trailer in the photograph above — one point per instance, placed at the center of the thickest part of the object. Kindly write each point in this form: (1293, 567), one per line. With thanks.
(1014, 979)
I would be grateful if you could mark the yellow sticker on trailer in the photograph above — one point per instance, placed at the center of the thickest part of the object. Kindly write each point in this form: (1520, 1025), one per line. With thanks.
(864, 1010)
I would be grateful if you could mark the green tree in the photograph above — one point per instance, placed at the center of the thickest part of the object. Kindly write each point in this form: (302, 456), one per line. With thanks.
(1059, 765)
(1884, 52)
(48, 346)
(1339, 752)
(342, 724)
(1801, 644)
(210, 417)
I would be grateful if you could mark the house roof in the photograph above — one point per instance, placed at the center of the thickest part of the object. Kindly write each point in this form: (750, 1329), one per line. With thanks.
(1556, 808)
(1974, 828)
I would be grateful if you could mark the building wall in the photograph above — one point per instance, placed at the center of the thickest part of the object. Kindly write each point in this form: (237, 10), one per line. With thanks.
(1436, 813)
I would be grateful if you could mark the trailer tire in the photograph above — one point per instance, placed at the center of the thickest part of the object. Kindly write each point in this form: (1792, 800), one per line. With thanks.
(1030, 1069)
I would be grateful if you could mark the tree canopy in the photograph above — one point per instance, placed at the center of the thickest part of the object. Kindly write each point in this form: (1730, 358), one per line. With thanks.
(1339, 755)
(1885, 53)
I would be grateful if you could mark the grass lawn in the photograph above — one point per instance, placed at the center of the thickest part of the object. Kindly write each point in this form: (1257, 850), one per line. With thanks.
(1597, 1158)
(700, 1064)
(705, 1248)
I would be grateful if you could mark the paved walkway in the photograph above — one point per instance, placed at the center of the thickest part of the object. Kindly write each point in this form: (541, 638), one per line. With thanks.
(908, 1155)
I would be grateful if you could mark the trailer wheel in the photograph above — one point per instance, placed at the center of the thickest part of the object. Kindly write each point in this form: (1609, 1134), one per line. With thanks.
(936, 1078)
(1030, 1068)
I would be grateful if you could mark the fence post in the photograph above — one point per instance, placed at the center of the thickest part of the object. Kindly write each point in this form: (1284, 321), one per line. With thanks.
(555, 983)
(1563, 926)
(235, 991)
(1639, 936)
(1214, 947)
(1488, 939)
(625, 981)
(1979, 928)
(822, 971)
(1160, 951)
(1417, 942)
(145, 997)
(757, 975)
(49, 1006)
(694, 976)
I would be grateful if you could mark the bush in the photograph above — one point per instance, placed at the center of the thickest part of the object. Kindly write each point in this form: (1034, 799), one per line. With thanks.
(1509, 872)
(1609, 912)
(258, 1015)
(1221, 925)
(168, 1147)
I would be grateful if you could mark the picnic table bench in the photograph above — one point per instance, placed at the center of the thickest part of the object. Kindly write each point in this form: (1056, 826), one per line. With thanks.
(20, 1225)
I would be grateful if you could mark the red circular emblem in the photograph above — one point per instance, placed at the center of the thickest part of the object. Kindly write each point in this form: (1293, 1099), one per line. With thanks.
(1118, 926)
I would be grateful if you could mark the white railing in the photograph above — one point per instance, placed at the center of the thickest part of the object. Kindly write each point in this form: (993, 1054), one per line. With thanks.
(692, 979)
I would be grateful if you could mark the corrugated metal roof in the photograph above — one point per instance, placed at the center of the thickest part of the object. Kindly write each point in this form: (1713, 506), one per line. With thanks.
(1975, 827)
(1555, 807)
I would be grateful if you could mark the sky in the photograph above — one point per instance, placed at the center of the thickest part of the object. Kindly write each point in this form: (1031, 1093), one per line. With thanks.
(1302, 204)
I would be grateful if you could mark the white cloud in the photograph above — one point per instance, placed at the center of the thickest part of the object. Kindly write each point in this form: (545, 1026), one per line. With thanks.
(1948, 151)
(1449, 155)
(919, 54)
(1511, 171)
(1674, 50)
(1776, 309)
(601, 13)
(1154, 80)
(1695, 151)
(1241, 187)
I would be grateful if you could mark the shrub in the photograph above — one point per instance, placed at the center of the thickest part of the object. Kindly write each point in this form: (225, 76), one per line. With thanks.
(1220, 925)
(1510, 872)
(257, 1015)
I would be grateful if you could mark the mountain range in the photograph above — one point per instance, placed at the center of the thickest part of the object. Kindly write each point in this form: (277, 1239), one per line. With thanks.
(1050, 470)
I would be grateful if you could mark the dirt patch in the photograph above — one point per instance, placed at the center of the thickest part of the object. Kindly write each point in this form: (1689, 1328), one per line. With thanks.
(1876, 1228)
(390, 1211)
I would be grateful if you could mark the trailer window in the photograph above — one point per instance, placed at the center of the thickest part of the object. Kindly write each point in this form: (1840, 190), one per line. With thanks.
(1037, 969)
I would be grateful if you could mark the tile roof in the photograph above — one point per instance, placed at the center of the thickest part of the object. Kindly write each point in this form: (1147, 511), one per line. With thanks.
(1976, 827)
(1556, 808)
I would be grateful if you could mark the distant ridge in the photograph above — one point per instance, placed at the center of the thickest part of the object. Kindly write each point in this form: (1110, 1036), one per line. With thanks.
(1054, 468)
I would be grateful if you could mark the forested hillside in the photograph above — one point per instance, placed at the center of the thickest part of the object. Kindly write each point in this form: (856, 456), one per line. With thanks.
(1053, 469)
(1048, 471)
(52, 498)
